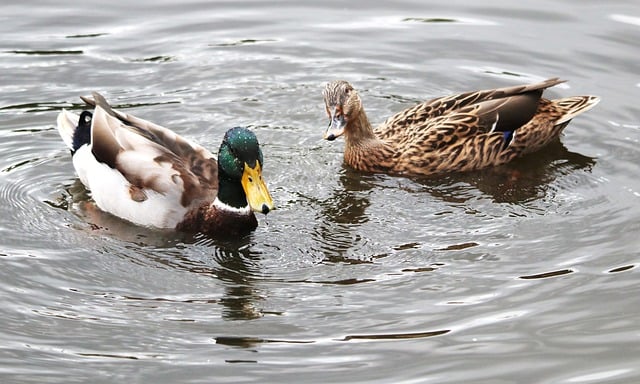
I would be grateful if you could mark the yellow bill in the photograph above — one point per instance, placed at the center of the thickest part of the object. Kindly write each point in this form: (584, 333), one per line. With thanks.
(256, 190)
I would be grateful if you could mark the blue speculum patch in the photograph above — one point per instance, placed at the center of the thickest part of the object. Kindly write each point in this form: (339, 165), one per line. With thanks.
(508, 136)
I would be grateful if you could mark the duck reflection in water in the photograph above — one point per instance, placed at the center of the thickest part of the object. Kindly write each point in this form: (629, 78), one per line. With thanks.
(232, 262)
(518, 182)
(340, 215)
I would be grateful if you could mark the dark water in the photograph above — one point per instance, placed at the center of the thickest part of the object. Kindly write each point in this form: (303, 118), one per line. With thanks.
(526, 273)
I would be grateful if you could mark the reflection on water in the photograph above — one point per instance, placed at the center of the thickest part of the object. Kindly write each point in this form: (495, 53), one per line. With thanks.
(546, 275)
(340, 215)
(78, 201)
(348, 201)
(232, 262)
(241, 300)
(250, 342)
(397, 336)
(520, 181)
(529, 178)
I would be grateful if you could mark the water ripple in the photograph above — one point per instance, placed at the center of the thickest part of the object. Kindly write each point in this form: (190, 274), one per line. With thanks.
(521, 271)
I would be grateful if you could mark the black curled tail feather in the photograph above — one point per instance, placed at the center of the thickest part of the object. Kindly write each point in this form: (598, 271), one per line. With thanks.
(82, 133)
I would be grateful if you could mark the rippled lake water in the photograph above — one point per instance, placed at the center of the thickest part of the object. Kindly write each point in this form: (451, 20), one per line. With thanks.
(525, 273)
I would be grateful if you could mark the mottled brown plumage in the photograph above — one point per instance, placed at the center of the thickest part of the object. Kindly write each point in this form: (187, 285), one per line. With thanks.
(462, 132)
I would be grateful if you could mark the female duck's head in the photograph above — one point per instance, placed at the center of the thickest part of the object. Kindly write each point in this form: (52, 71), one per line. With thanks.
(342, 104)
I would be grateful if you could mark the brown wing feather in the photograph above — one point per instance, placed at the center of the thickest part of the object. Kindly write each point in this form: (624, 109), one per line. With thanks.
(105, 146)
(397, 124)
(118, 138)
(464, 132)
(459, 141)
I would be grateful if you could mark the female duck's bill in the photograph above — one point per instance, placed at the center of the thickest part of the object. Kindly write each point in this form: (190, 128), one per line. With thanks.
(337, 122)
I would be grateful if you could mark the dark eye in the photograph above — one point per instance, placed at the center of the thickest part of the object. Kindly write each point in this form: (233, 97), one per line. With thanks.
(250, 179)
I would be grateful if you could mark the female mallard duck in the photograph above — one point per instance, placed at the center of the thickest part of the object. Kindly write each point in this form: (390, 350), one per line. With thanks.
(150, 176)
(461, 132)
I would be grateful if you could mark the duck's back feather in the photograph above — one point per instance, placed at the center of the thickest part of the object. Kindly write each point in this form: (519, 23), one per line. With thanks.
(139, 170)
(151, 156)
(510, 99)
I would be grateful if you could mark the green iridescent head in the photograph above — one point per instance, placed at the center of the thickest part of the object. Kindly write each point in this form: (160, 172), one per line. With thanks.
(240, 171)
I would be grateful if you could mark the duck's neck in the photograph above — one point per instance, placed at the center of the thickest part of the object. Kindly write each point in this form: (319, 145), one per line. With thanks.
(363, 149)
(359, 132)
(228, 215)
(219, 220)
(231, 193)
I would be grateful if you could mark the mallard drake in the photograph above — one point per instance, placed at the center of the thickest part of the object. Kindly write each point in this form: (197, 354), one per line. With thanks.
(462, 132)
(150, 176)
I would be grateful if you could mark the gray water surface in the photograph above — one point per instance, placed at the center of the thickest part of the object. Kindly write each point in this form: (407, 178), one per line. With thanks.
(521, 274)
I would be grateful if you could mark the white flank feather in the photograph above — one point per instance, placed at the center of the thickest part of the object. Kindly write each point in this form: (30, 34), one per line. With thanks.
(110, 191)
